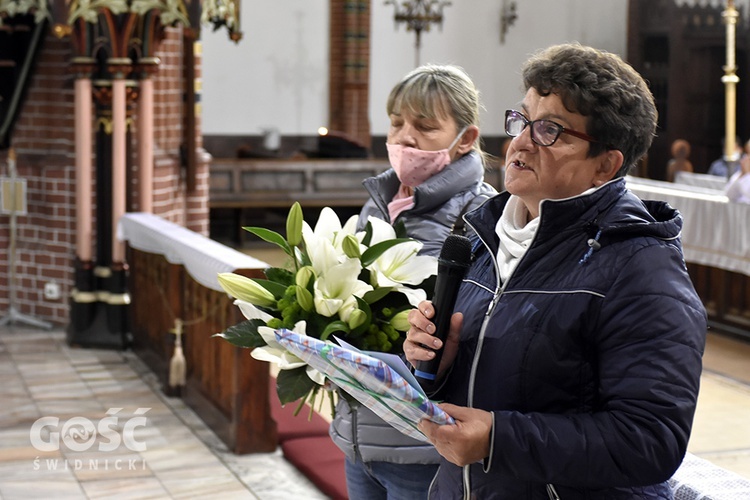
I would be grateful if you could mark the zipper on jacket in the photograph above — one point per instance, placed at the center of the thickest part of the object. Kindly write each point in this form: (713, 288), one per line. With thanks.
(470, 400)
(552, 492)
(499, 289)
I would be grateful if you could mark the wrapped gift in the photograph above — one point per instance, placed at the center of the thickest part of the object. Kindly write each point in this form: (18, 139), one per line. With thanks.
(383, 383)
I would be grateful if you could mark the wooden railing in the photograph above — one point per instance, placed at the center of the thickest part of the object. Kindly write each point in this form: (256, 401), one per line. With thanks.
(260, 183)
(225, 386)
(726, 296)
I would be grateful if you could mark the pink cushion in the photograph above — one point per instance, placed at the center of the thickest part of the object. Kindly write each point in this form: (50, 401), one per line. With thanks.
(320, 461)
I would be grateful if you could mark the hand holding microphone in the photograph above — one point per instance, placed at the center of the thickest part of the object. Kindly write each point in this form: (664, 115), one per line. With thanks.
(454, 261)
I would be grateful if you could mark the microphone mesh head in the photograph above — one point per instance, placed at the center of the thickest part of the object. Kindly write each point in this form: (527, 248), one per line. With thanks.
(456, 248)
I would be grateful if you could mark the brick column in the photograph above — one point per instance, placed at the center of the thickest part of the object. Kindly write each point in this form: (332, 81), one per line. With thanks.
(349, 70)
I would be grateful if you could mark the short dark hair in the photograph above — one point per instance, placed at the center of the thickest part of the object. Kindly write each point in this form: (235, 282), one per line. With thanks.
(602, 87)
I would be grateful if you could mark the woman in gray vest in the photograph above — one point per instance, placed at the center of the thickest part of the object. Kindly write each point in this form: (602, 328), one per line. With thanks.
(437, 175)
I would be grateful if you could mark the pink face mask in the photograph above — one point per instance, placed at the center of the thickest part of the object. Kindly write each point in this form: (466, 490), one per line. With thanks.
(414, 166)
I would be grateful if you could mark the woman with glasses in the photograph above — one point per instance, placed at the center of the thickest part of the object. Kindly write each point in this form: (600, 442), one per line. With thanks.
(573, 359)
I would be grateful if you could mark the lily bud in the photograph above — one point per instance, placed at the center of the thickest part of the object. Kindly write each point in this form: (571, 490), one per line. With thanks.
(294, 225)
(303, 276)
(305, 299)
(356, 318)
(400, 321)
(350, 246)
(246, 289)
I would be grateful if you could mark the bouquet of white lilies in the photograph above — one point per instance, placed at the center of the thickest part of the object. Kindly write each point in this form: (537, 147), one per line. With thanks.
(358, 286)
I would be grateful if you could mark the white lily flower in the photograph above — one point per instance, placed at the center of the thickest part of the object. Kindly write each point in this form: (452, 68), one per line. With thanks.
(413, 295)
(401, 265)
(323, 255)
(328, 224)
(338, 285)
(350, 227)
(249, 311)
(274, 352)
(381, 230)
(315, 375)
(322, 252)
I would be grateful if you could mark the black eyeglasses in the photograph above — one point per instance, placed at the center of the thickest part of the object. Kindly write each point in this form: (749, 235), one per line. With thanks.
(543, 132)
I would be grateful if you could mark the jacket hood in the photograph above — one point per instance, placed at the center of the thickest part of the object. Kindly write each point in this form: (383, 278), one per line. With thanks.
(610, 213)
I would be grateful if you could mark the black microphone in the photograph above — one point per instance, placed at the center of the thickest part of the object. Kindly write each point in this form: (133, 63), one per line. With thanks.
(454, 261)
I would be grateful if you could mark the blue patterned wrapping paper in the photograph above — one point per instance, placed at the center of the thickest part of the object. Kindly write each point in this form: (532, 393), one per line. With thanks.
(369, 380)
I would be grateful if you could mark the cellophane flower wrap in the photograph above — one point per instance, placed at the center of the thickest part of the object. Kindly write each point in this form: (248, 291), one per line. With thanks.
(358, 286)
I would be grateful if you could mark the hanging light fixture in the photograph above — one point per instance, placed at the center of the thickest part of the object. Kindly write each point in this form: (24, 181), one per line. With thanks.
(508, 17)
(223, 13)
(418, 15)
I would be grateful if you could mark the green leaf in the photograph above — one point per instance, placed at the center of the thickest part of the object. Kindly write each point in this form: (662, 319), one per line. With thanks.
(277, 289)
(368, 234)
(334, 326)
(375, 251)
(279, 275)
(244, 334)
(271, 237)
(375, 295)
(294, 225)
(400, 229)
(292, 385)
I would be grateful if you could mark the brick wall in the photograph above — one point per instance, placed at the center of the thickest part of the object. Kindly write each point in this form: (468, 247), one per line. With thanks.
(349, 70)
(44, 142)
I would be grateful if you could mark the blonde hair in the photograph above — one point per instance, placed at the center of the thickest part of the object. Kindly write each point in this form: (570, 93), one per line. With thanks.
(438, 91)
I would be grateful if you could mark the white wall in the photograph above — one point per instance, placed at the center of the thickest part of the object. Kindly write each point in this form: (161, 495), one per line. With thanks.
(277, 76)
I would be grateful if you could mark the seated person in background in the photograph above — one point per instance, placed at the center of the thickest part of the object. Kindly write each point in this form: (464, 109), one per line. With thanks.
(724, 167)
(738, 187)
(679, 161)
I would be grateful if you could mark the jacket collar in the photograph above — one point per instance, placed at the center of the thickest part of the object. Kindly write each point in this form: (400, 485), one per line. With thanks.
(458, 176)
(590, 213)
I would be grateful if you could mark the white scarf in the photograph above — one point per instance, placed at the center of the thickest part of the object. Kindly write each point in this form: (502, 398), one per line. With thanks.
(515, 235)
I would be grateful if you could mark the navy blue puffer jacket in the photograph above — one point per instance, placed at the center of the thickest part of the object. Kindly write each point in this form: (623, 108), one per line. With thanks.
(589, 357)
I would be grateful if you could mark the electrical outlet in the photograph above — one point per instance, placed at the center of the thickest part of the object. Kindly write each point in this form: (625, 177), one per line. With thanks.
(51, 291)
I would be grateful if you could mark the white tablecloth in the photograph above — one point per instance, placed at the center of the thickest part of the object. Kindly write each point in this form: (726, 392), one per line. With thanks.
(702, 180)
(715, 230)
(202, 257)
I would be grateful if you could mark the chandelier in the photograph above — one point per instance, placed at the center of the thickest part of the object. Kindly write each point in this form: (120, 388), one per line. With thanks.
(418, 15)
